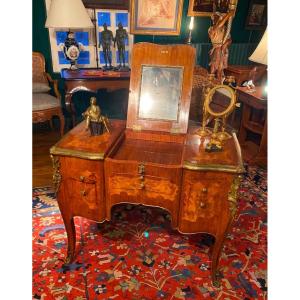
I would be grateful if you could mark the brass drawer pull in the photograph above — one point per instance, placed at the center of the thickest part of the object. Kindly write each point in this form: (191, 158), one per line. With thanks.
(203, 196)
(141, 169)
(81, 178)
(83, 193)
(142, 185)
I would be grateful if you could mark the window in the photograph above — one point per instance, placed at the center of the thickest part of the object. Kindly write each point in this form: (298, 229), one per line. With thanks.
(88, 39)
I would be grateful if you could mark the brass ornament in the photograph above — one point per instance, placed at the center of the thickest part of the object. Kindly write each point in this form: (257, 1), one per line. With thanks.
(219, 134)
(76, 153)
(95, 121)
(208, 84)
(56, 172)
(232, 195)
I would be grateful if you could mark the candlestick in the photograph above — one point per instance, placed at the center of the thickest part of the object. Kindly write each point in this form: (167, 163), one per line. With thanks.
(191, 26)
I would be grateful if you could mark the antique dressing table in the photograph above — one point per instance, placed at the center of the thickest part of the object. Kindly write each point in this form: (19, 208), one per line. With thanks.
(154, 159)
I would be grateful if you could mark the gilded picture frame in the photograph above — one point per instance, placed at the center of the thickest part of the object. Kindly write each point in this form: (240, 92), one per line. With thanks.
(155, 17)
(257, 15)
(200, 8)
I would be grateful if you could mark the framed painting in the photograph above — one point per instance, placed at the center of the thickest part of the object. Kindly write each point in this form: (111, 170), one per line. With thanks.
(257, 15)
(156, 17)
(107, 4)
(200, 8)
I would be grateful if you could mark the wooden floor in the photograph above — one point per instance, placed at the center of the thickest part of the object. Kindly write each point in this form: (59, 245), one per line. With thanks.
(43, 139)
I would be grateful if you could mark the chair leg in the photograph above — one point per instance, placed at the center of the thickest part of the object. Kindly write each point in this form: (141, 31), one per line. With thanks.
(51, 124)
(62, 123)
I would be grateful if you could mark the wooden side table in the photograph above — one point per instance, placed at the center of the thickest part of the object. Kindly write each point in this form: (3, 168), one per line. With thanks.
(244, 73)
(91, 80)
(254, 119)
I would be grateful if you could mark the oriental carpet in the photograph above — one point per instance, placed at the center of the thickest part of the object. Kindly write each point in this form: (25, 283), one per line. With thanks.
(137, 256)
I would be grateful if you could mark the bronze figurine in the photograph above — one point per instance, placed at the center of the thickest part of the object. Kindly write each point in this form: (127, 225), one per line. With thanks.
(106, 39)
(95, 121)
(121, 36)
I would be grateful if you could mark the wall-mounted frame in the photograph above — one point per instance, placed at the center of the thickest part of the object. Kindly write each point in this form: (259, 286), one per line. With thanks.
(156, 17)
(200, 8)
(257, 15)
(107, 4)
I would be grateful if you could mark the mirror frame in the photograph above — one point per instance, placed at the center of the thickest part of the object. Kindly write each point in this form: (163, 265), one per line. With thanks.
(167, 56)
(208, 100)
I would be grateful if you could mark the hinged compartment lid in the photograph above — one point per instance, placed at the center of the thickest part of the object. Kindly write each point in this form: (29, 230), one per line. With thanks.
(160, 87)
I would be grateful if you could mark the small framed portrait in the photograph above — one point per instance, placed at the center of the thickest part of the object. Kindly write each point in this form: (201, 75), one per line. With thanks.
(200, 8)
(257, 15)
(156, 17)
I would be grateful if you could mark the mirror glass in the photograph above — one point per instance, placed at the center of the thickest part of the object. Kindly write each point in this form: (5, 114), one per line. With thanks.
(160, 92)
(220, 100)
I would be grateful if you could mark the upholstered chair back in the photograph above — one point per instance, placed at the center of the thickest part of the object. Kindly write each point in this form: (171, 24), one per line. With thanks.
(38, 68)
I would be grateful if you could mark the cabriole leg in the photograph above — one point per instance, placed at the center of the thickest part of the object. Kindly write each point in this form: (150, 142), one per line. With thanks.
(71, 233)
(215, 256)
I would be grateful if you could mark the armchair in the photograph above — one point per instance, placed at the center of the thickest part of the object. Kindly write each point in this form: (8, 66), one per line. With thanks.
(44, 105)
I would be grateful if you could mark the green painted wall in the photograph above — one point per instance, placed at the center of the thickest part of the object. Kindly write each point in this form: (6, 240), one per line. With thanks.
(40, 34)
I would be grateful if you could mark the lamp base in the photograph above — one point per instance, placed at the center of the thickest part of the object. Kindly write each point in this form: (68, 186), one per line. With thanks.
(73, 66)
(71, 50)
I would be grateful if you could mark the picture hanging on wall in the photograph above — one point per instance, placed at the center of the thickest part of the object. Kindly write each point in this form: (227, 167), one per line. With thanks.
(107, 4)
(156, 17)
(257, 15)
(200, 8)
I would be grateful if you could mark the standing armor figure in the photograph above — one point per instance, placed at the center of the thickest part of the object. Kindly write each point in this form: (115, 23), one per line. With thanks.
(106, 38)
(219, 34)
(121, 36)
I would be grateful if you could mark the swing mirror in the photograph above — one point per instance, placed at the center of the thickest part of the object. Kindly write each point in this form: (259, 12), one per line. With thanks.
(220, 101)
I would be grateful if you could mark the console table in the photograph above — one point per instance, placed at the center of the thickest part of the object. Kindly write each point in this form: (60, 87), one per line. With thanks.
(91, 80)
(243, 73)
(254, 119)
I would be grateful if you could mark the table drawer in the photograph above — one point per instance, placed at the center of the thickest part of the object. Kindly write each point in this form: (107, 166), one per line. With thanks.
(204, 200)
(150, 186)
(143, 183)
(83, 183)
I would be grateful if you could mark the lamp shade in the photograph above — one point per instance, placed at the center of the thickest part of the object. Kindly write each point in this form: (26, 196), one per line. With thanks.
(68, 14)
(260, 55)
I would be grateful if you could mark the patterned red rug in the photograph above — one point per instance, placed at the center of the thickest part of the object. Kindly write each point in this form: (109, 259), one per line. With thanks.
(138, 256)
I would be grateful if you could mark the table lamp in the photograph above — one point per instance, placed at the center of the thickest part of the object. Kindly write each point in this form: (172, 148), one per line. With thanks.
(260, 55)
(73, 15)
